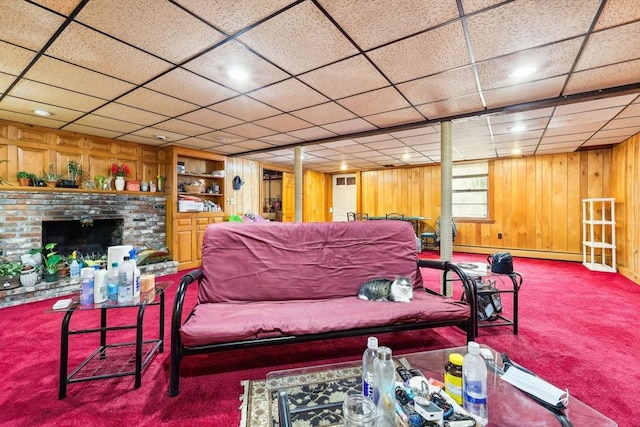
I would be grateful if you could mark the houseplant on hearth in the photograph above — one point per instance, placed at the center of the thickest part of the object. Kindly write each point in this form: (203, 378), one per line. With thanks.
(9, 274)
(120, 172)
(51, 261)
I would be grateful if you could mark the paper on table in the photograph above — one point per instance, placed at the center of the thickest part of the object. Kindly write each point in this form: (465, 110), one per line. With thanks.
(536, 386)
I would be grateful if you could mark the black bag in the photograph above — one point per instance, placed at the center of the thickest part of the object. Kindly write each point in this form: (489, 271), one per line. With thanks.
(501, 263)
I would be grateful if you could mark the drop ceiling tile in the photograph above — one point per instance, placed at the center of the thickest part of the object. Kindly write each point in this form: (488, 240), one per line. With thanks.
(632, 110)
(106, 123)
(155, 27)
(190, 87)
(471, 6)
(249, 130)
(14, 58)
(140, 140)
(25, 106)
(233, 15)
(433, 138)
(427, 149)
(90, 49)
(182, 127)
(27, 25)
(579, 128)
(39, 92)
(572, 137)
(222, 137)
(89, 130)
(371, 24)
(229, 149)
(396, 150)
(438, 87)
(310, 134)
(424, 130)
(513, 128)
(604, 77)
(389, 143)
(598, 104)
(521, 136)
(324, 113)
(373, 138)
(149, 100)
(283, 123)
(369, 154)
(622, 123)
(129, 114)
(279, 39)
(550, 150)
(348, 77)
(289, 95)
(5, 81)
(245, 108)
(549, 61)
(611, 46)
(30, 119)
(280, 139)
(253, 144)
(521, 116)
(151, 133)
(65, 7)
(377, 101)
(351, 149)
(584, 117)
(194, 142)
(567, 146)
(467, 133)
(217, 64)
(525, 92)
(349, 126)
(210, 118)
(395, 118)
(67, 76)
(602, 141)
(507, 152)
(451, 107)
(423, 55)
(528, 23)
(618, 12)
(519, 143)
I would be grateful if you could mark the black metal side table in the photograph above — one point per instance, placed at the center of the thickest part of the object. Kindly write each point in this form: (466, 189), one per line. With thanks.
(114, 359)
(515, 279)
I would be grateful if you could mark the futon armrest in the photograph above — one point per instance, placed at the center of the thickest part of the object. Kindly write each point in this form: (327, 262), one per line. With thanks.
(176, 320)
(467, 285)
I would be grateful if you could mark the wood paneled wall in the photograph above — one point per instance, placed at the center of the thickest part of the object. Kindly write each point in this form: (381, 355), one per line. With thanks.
(626, 190)
(534, 202)
(315, 197)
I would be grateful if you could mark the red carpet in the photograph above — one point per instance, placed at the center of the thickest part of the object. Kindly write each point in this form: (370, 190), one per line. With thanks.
(576, 330)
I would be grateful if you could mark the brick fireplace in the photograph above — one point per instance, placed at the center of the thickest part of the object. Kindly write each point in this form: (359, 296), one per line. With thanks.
(22, 214)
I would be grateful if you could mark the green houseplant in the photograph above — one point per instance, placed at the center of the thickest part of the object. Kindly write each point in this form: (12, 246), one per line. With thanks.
(51, 261)
(24, 178)
(75, 170)
(9, 274)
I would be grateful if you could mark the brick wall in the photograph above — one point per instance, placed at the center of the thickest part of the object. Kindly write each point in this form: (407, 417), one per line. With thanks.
(22, 213)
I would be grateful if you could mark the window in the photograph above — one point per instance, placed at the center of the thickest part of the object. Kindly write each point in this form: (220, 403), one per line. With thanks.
(469, 187)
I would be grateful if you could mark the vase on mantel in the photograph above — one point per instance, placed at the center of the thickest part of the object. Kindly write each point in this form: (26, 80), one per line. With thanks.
(119, 183)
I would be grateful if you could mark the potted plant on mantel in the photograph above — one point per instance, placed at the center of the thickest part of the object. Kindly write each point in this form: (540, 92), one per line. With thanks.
(75, 172)
(24, 178)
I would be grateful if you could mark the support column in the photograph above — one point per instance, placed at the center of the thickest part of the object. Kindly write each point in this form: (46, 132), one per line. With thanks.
(297, 180)
(446, 224)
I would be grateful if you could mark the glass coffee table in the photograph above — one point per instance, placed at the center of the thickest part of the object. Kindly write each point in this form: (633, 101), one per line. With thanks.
(114, 359)
(314, 395)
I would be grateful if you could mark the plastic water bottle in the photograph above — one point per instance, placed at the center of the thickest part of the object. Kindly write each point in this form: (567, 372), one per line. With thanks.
(384, 380)
(125, 281)
(112, 284)
(133, 258)
(474, 384)
(368, 358)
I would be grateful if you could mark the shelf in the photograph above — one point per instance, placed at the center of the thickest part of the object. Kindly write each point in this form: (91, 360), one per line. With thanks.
(201, 175)
(599, 267)
(599, 245)
(200, 194)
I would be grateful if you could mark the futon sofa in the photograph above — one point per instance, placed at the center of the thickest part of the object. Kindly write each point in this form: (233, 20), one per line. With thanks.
(278, 283)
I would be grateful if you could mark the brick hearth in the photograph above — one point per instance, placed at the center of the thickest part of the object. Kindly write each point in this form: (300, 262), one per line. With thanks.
(22, 213)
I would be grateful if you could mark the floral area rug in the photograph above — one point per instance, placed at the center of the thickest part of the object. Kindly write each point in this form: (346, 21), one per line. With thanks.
(310, 396)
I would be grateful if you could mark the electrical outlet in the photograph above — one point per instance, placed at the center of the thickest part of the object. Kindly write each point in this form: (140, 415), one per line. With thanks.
(499, 235)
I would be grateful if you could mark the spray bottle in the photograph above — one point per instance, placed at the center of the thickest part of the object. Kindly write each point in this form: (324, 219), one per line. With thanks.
(74, 270)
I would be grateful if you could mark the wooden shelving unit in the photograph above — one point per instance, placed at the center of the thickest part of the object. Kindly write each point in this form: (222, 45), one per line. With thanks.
(599, 234)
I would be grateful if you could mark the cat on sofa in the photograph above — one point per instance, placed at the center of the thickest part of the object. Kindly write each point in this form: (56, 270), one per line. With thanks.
(398, 290)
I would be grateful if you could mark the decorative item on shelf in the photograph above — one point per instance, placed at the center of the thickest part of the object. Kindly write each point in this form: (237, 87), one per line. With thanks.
(75, 170)
(100, 180)
(237, 182)
(51, 177)
(39, 181)
(132, 185)
(120, 172)
(160, 187)
(24, 178)
(144, 186)
(51, 261)
(195, 186)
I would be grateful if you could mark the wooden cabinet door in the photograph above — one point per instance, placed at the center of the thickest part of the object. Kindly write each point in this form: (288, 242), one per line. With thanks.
(288, 197)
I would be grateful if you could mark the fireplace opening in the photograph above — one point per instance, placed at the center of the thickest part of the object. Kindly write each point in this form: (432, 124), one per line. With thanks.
(80, 236)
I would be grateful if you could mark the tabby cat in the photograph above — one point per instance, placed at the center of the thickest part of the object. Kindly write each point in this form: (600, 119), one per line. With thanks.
(398, 290)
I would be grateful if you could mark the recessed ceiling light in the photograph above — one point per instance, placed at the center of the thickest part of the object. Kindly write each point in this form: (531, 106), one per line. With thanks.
(41, 112)
(516, 151)
(406, 156)
(222, 139)
(343, 167)
(518, 128)
(161, 137)
(522, 72)
(238, 74)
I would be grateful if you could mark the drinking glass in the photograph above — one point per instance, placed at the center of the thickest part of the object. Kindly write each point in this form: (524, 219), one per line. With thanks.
(359, 411)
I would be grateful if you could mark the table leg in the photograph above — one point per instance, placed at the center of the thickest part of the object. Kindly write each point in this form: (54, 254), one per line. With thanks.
(161, 322)
(103, 332)
(64, 355)
(138, 369)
